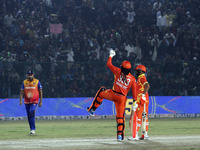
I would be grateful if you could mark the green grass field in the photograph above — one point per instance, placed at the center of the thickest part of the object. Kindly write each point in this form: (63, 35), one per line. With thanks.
(98, 128)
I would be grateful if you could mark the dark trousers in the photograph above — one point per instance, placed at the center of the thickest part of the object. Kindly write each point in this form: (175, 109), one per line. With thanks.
(30, 109)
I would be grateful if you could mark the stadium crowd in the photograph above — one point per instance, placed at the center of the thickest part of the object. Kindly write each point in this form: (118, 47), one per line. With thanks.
(66, 42)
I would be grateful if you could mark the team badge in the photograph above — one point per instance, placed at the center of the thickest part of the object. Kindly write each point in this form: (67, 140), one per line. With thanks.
(29, 95)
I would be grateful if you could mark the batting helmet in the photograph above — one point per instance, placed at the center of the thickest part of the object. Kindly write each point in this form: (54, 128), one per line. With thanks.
(141, 67)
(126, 67)
(126, 64)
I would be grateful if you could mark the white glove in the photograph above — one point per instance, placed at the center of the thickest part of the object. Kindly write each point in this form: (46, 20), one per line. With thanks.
(112, 53)
(134, 106)
(143, 99)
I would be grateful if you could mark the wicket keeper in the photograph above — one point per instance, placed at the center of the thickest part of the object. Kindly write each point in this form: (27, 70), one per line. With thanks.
(31, 90)
(123, 81)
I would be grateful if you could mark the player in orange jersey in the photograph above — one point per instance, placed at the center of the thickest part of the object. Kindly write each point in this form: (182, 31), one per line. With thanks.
(123, 81)
(31, 90)
(142, 99)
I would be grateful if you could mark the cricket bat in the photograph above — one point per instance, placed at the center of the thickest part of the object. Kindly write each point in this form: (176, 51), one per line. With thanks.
(132, 123)
(143, 128)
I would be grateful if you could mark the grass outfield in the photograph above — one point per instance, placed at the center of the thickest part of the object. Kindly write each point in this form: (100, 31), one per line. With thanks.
(98, 128)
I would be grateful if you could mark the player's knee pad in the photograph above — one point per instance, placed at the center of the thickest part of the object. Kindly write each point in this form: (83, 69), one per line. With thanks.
(99, 91)
(102, 88)
(32, 114)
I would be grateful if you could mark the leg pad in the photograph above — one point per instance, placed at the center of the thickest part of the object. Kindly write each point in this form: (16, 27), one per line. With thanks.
(95, 101)
(120, 126)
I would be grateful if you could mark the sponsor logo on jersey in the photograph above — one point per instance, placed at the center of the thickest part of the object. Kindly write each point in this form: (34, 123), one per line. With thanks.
(30, 87)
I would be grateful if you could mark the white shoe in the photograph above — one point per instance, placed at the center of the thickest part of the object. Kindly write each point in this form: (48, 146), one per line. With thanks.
(32, 132)
(146, 137)
(133, 139)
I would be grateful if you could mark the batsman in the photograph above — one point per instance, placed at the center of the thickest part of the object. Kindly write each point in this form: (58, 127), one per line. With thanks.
(140, 107)
(123, 81)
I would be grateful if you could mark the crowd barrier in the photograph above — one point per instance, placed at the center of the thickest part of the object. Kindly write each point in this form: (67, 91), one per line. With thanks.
(158, 106)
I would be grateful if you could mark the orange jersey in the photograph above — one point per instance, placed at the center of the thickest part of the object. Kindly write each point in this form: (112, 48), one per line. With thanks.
(122, 85)
(31, 91)
(141, 81)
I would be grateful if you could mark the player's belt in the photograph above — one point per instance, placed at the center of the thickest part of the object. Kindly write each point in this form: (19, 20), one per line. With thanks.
(118, 92)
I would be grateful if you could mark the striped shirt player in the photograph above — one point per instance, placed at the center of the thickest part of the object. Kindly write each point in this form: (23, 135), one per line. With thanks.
(31, 90)
(123, 81)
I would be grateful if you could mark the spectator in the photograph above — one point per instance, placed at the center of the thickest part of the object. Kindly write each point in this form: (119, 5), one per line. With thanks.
(90, 29)
(130, 16)
(157, 5)
(70, 57)
(161, 22)
(8, 20)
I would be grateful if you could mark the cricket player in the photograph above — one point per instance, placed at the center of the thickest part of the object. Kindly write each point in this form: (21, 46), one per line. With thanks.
(142, 100)
(31, 90)
(123, 81)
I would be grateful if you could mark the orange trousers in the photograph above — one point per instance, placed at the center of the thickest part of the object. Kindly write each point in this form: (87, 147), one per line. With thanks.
(120, 102)
(137, 121)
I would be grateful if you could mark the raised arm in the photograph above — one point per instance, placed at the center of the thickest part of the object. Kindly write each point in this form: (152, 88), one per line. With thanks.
(109, 62)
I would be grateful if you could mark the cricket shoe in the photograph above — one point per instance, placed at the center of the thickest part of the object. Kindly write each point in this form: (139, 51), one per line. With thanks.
(133, 139)
(144, 137)
(119, 138)
(91, 112)
(32, 132)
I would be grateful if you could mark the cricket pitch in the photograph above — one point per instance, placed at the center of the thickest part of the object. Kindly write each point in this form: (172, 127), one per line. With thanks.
(154, 143)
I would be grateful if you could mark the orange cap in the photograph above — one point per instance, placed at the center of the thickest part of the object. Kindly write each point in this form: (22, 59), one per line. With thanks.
(126, 64)
(141, 67)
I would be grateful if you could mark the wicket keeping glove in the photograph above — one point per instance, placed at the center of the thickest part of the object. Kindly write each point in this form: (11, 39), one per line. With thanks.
(143, 99)
(112, 53)
(134, 106)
